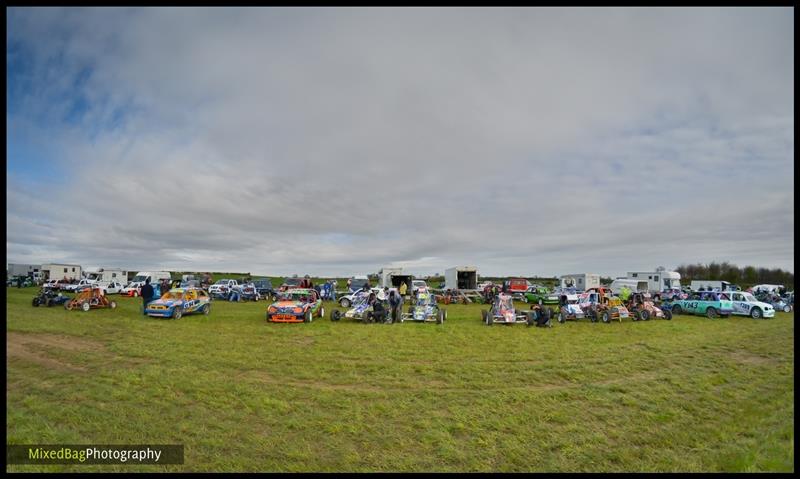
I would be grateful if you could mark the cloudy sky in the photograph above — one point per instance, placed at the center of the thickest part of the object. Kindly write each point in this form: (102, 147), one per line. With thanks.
(538, 141)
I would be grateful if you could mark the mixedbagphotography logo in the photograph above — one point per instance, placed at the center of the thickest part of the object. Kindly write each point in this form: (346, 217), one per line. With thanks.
(94, 454)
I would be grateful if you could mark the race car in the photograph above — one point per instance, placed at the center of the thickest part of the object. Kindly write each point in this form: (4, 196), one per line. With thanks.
(745, 304)
(503, 312)
(598, 304)
(363, 311)
(179, 301)
(569, 309)
(87, 299)
(709, 303)
(296, 305)
(48, 297)
(641, 307)
(424, 309)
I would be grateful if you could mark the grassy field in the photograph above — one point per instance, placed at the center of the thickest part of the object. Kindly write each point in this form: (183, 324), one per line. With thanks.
(691, 394)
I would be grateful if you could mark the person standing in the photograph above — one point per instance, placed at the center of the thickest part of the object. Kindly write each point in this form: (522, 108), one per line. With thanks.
(147, 295)
(403, 288)
(396, 302)
(349, 284)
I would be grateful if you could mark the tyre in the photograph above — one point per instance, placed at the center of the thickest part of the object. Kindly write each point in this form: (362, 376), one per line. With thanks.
(35, 302)
(178, 313)
(676, 309)
(606, 317)
(113, 305)
(787, 309)
(135, 294)
(644, 314)
(336, 315)
(440, 318)
(308, 317)
(561, 318)
(345, 302)
(321, 311)
(486, 318)
(667, 315)
(68, 306)
(206, 309)
(86, 306)
(529, 318)
(756, 313)
(712, 313)
(444, 315)
(50, 302)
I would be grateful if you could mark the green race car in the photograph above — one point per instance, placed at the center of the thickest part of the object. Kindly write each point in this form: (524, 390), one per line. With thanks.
(540, 296)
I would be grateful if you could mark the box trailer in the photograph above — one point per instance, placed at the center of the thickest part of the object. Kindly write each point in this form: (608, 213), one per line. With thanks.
(581, 281)
(393, 278)
(461, 278)
(62, 271)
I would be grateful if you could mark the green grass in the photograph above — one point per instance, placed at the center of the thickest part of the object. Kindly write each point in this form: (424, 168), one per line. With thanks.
(691, 394)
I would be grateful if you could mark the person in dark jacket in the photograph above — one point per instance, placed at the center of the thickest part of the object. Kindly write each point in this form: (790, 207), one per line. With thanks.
(396, 302)
(147, 295)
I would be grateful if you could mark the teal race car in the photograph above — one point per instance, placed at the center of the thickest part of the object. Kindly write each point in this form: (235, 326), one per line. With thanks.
(179, 301)
(710, 304)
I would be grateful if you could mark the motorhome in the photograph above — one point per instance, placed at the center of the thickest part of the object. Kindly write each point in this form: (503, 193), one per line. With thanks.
(581, 282)
(461, 278)
(658, 281)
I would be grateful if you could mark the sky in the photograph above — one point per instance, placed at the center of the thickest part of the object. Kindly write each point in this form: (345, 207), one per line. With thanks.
(336, 141)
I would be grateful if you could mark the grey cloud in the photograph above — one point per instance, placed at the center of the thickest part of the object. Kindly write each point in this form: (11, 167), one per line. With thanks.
(538, 141)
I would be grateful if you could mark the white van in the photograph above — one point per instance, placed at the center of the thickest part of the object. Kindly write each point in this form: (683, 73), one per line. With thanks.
(154, 276)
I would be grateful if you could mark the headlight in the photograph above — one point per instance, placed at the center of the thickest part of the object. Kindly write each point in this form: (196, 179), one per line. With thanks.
(272, 310)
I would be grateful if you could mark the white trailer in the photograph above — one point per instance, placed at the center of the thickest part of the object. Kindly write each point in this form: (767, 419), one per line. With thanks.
(581, 281)
(658, 281)
(62, 271)
(29, 270)
(387, 277)
(463, 278)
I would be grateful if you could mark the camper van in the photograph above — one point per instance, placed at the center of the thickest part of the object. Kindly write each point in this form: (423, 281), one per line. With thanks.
(658, 281)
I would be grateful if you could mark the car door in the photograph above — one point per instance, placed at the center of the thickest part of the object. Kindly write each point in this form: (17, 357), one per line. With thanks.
(740, 305)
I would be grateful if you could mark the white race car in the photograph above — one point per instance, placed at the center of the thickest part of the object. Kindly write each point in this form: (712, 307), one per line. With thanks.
(745, 304)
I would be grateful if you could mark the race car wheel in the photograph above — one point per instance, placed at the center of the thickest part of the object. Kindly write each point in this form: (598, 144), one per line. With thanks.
(712, 313)
(440, 318)
(307, 318)
(483, 316)
(644, 314)
(344, 302)
(676, 309)
(667, 314)
(755, 313)
(529, 318)
(206, 309)
(68, 305)
(135, 294)
(787, 309)
(86, 306)
(606, 317)
(178, 313)
(336, 315)
(321, 312)
(444, 318)
(113, 305)
(561, 318)
(35, 302)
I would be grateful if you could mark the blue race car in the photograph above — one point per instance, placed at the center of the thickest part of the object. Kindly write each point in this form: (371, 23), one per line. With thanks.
(180, 301)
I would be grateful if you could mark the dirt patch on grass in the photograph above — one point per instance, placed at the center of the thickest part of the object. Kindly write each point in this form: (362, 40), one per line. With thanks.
(34, 347)
(20, 350)
(746, 357)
